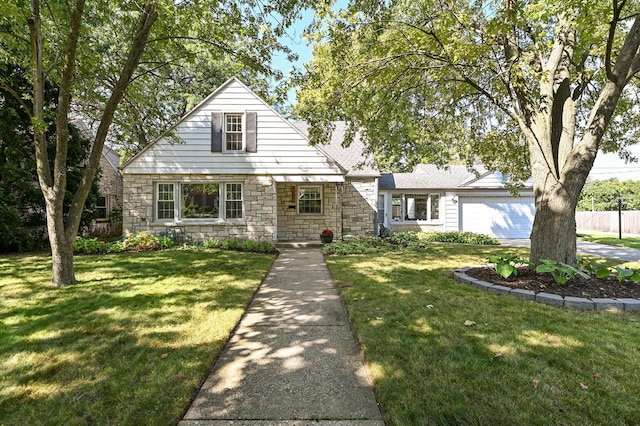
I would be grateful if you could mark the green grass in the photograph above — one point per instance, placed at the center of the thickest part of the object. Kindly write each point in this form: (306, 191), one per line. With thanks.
(128, 345)
(429, 368)
(612, 240)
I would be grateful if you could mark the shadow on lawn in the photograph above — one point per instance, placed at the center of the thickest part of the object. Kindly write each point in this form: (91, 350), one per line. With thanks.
(410, 317)
(74, 354)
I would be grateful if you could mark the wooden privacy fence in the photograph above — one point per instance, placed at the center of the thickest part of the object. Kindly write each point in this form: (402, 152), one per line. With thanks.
(608, 221)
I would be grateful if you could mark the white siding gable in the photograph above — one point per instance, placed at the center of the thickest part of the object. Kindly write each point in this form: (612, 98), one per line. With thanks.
(493, 180)
(281, 148)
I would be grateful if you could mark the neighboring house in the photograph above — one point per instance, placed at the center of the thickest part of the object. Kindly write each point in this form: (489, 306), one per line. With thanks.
(454, 199)
(109, 204)
(243, 170)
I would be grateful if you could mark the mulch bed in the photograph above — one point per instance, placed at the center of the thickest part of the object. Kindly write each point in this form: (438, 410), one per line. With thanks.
(528, 279)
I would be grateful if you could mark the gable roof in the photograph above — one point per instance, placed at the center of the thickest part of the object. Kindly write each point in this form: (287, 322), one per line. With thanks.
(352, 158)
(455, 176)
(429, 176)
(283, 150)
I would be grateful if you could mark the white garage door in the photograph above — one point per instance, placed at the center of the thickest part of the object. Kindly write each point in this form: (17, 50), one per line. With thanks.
(502, 217)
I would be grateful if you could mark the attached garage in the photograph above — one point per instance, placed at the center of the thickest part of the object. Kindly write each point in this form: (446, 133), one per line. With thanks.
(500, 216)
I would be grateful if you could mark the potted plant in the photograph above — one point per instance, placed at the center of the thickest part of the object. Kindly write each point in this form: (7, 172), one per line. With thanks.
(326, 236)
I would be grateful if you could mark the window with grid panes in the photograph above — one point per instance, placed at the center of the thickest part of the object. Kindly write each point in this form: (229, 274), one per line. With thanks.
(310, 199)
(165, 201)
(233, 132)
(233, 201)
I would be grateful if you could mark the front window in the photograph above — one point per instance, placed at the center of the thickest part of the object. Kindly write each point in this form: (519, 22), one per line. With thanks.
(411, 207)
(310, 199)
(233, 132)
(233, 201)
(166, 201)
(200, 201)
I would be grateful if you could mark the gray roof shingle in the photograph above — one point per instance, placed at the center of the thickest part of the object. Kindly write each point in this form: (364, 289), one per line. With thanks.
(429, 176)
(352, 158)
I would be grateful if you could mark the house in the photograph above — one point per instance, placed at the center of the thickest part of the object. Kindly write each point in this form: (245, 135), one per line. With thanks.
(240, 169)
(234, 167)
(454, 199)
(109, 202)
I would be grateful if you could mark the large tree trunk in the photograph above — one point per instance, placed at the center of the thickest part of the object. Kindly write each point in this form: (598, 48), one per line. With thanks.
(61, 251)
(554, 227)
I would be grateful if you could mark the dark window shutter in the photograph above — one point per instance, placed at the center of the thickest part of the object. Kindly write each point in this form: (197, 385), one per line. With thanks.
(252, 133)
(216, 131)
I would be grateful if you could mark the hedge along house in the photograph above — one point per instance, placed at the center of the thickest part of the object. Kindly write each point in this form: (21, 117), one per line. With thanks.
(454, 199)
(240, 169)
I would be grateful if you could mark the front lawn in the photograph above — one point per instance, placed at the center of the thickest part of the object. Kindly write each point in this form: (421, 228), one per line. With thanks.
(128, 345)
(443, 352)
(612, 240)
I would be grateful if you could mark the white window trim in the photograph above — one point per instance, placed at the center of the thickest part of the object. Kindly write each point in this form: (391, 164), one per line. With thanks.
(243, 123)
(298, 188)
(156, 200)
(419, 221)
(177, 202)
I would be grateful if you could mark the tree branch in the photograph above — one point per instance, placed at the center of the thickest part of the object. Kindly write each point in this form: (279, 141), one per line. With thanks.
(15, 94)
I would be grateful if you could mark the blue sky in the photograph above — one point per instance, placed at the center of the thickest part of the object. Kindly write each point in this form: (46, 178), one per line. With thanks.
(606, 166)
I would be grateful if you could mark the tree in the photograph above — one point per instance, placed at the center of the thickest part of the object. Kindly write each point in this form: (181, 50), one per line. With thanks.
(101, 54)
(22, 212)
(602, 195)
(527, 87)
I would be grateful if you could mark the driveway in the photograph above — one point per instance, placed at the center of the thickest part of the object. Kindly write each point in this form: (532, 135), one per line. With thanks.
(585, 247)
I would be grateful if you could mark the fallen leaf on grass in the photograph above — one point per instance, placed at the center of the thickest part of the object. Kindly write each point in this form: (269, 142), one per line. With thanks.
(164, 356)
(597, 376)
(497, 354)
(430, 306)
(535, 383)
(583, 386)
(469, 323)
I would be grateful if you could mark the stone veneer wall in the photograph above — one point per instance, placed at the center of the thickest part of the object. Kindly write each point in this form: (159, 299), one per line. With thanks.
(259, 208)
(306, 227)
(110, 187)
(359, 206)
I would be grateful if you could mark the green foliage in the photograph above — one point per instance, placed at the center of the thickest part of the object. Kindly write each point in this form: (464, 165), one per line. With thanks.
(507, 265)
(238, 244)
(22, 211)
(590, 268)
(603, 195)
(355, 244)
(89, 246)
(624, 274)
(359, 245)
(143, 241)
(561, 272)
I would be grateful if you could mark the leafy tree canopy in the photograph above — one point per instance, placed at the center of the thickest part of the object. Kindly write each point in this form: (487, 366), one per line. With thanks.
(22, 207)
(602, 195)
(443, 82)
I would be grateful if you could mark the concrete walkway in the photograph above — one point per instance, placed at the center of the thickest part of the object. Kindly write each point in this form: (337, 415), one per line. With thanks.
(293, 359)
(586, 247)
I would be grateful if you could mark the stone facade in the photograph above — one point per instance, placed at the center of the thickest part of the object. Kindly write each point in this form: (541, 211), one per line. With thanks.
(110, 187)
(359, 210)
(259, 196)
(293, 226)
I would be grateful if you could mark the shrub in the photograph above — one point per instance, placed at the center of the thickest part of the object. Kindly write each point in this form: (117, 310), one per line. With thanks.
(241, 245)
(89, 246)
(457, 237)
(561, 272)
(359, 245)
(143, 241)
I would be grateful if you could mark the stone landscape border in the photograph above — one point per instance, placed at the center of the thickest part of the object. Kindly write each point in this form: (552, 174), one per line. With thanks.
(598, 304)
